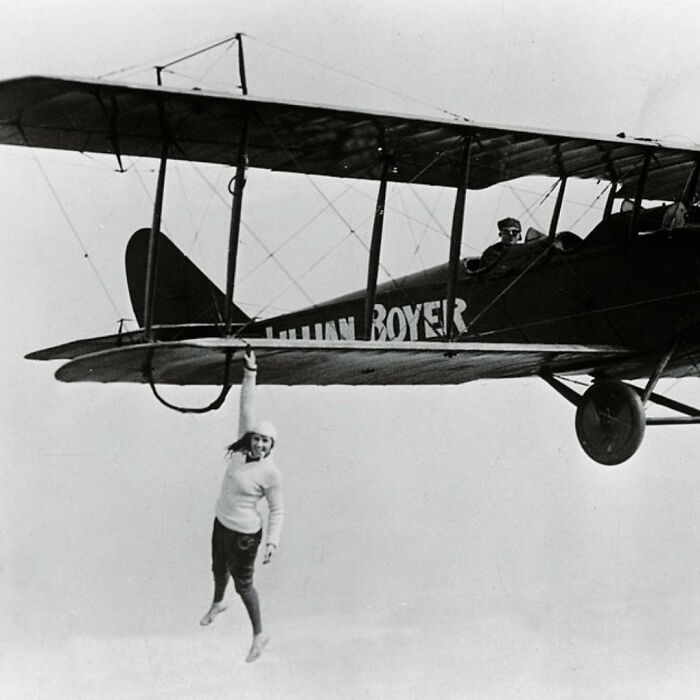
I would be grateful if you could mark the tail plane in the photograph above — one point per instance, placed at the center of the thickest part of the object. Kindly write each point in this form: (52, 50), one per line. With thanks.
(183, 293)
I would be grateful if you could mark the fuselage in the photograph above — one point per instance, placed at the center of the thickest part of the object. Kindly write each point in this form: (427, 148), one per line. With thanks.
(640, 290)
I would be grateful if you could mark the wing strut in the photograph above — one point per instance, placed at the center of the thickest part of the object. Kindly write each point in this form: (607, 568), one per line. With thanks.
(557, 210)
(654, 378)
(239, 184)
(691, 185)
(640, 192)
(235, 228)
(375, 248)
(456, 236)
(241, 64)
(610, 200)
(152, 262)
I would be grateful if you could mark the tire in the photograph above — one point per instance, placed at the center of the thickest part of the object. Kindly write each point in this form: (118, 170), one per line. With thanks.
(610, 422)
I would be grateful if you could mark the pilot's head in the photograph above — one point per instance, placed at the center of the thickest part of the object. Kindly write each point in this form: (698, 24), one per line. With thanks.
(509, 230)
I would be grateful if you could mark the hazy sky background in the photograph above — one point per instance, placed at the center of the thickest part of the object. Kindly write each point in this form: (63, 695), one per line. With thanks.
(440, 542)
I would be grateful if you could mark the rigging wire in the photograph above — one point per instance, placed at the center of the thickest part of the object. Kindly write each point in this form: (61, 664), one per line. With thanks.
(216, 193)
(186, 202)
(229, 40)
(148, 65)
(255, 237)
(356, 77)
(416, 240)
(352, 230)
(205, 213)
(313, 266)
(527, 210)
(438, 228)
(591, 205)
(303, 227)
(218, 85)
(430, 212)
(75, 233)
(426, 228)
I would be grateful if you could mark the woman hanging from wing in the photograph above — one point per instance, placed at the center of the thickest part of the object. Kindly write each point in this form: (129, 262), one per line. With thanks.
(251, 475)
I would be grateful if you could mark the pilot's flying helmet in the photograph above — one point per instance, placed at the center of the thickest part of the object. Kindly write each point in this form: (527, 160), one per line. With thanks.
(510, 227)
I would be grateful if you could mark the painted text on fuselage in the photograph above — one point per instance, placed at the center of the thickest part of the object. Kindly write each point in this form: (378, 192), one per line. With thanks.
(394, 323)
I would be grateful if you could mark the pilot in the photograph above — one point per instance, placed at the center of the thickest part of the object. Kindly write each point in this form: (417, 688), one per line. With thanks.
(509, 231)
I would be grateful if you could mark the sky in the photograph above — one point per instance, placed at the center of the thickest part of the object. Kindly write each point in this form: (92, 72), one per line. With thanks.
(440, 542)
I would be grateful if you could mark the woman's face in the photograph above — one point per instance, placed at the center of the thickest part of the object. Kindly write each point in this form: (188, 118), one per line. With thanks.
(260, 445)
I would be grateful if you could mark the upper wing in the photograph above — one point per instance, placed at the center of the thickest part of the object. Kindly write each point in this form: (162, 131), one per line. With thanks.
(333, 362)
(105, 117)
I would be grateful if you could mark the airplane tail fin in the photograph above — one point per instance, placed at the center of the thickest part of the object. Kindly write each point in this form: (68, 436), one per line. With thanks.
(183, 293)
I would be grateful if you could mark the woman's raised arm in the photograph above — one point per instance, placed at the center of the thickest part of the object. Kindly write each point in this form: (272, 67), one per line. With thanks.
(246, 415)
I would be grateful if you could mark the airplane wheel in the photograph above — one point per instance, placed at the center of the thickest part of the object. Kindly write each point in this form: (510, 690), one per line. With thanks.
(610, 422)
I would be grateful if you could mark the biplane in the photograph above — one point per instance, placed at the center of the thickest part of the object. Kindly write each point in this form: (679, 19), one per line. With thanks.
(621, 303)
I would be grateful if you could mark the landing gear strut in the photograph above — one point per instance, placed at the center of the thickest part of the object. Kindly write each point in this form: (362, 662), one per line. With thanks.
(611, 417)
(610, 421)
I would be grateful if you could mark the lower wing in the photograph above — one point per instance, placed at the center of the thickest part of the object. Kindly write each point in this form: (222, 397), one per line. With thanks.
(217, 361)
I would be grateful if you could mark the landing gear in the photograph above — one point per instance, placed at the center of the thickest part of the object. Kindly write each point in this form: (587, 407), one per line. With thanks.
(611, 417)
(610, 421)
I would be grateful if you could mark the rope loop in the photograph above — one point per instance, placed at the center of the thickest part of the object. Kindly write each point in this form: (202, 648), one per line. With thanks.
(217, 403)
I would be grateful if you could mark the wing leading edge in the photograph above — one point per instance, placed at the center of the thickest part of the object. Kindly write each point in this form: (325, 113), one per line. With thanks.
(105, 117)
(203, 362)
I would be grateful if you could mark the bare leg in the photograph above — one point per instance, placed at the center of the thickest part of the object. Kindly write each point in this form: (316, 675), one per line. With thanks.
(250, 599)
(249, 596)
(218, 606)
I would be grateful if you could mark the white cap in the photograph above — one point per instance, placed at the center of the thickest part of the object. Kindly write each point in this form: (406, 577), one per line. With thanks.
(264, 427)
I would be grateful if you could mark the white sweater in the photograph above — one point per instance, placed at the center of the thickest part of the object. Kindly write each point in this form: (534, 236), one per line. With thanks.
(246, 483)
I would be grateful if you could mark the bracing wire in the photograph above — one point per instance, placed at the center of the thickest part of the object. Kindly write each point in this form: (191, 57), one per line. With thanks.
(352, 229)
(356, 77)
(591, 205)
(186, 201)
(426, 228)
(303, 227)
(312, 267)
(528, 210)
(75, 233)
(256, 238)
(437, 228)
(145, 65)
(431, 213)
(352, 232)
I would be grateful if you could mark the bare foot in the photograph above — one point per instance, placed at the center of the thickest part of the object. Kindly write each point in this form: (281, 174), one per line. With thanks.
(259, 642)
(213, 611)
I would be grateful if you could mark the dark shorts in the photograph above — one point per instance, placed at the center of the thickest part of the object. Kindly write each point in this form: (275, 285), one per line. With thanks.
(234, 553)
